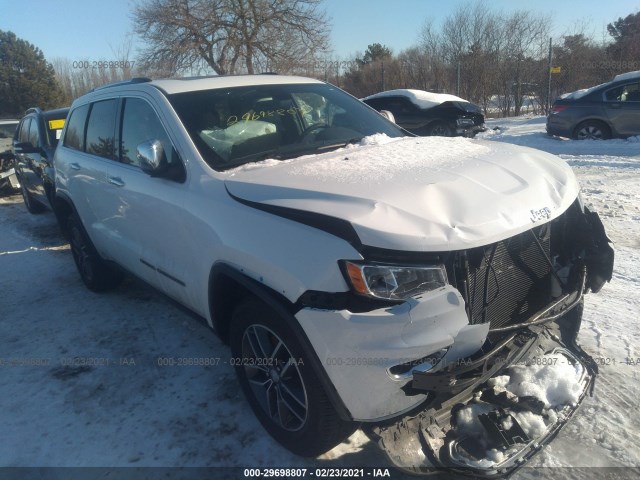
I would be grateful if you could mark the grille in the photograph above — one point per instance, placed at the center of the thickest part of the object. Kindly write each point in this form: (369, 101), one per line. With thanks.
(508, 281)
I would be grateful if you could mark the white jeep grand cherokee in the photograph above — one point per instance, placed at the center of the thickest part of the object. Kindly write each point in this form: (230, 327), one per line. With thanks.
(359, 273)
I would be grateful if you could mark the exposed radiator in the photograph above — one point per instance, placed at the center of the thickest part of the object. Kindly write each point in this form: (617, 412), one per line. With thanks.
(508, 281)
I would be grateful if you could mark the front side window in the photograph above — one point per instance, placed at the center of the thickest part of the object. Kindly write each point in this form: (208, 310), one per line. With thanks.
(140, 124)
(101, 129)
(233, 126)
(397, 106)
(74, 135)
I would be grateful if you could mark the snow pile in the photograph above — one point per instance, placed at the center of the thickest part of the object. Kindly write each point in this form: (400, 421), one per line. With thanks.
(377, 139)
(468, 425)
(419, 98)
(552, 379)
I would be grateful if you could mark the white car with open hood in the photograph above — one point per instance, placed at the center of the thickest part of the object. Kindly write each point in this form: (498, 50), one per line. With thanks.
(361, 275)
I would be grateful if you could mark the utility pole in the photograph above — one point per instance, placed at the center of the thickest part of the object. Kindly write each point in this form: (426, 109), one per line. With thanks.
(458, 79)
(549, 73)
(383, 83)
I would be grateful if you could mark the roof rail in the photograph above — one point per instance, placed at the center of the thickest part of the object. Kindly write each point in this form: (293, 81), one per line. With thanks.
(123, 82)
(33, 110)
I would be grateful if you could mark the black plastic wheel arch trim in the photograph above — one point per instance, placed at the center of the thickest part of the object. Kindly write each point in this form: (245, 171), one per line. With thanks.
(286, 310)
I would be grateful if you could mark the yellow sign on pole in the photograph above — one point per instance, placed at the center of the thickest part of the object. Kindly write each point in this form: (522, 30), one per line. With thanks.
(555, 69)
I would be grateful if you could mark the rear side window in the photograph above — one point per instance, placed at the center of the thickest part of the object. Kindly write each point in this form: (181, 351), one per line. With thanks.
(74, 136)
(101, 129)
(397, 106)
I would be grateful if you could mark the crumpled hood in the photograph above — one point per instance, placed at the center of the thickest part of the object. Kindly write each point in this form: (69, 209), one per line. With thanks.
(418, 194)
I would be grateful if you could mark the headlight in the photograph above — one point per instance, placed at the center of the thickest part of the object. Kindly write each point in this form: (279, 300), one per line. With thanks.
(394, 282)
(464, 122)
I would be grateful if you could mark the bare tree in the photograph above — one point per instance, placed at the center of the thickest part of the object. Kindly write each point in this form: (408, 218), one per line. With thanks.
(230, 36)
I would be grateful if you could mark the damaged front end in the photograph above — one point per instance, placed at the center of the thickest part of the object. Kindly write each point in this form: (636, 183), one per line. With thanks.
(488, 413)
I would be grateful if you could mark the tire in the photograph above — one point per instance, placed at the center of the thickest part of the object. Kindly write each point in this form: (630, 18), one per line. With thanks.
(285, 394)
(33, 206)
(96, 274)
(592, 130)
(439, 129)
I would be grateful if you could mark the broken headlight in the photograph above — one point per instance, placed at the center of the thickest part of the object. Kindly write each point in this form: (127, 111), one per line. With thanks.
(394, 282)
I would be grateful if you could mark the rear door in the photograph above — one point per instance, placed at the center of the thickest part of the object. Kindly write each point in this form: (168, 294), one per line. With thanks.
(622, 105)
(87, 152)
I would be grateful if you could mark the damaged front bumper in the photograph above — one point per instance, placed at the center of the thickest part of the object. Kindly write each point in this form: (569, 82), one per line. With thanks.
(428, 440)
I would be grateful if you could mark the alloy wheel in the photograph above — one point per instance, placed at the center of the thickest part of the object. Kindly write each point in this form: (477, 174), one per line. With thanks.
(274, 377)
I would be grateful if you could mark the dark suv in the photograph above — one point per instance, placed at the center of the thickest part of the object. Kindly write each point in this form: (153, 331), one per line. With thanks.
(34, 142)
(599, 113)
(426, 113)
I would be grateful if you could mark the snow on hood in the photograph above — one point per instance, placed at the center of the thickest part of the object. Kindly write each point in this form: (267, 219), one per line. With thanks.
(418, 193)
(419, 97)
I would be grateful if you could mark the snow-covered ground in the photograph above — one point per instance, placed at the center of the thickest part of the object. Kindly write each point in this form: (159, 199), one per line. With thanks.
(84, 379)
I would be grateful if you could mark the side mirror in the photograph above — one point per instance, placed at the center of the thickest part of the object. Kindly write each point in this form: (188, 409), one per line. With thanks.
(388, 115)
(153, 160)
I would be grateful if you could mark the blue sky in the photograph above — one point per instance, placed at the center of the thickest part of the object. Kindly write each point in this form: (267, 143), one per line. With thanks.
(93, 30)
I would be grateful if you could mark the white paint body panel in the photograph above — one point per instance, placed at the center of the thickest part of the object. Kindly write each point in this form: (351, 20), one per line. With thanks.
(356, 349)
(419, 194)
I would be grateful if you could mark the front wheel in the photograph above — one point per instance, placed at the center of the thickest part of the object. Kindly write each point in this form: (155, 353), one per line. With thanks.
(96, 274)
(276, 376)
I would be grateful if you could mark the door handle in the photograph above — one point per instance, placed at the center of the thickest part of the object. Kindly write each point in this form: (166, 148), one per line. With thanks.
(74, 166)
(117, 181)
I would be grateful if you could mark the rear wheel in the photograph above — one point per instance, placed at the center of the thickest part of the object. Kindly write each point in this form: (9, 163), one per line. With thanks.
(96, 274)
(33, 206)
(592, 130)
(276, 376)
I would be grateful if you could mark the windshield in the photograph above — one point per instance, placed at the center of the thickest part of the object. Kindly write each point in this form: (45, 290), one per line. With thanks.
(233, 126)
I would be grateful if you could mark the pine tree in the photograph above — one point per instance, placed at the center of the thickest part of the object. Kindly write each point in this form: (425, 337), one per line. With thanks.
(26, 78)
